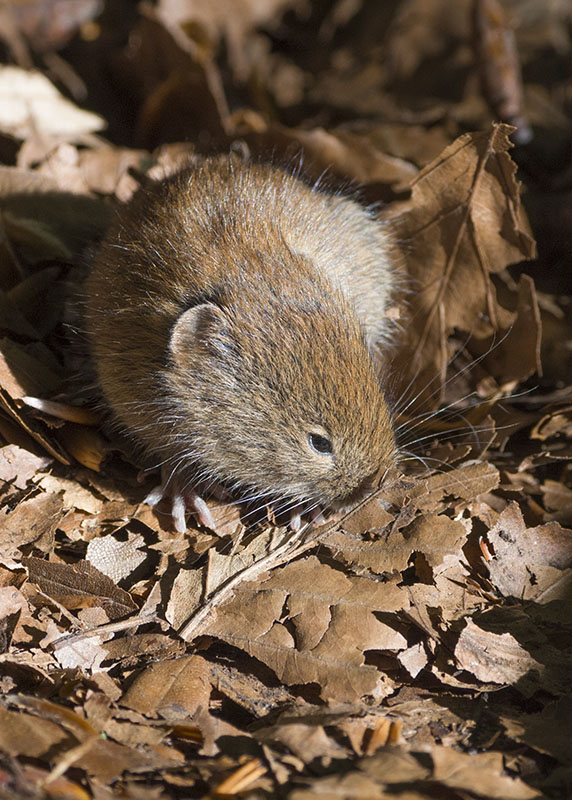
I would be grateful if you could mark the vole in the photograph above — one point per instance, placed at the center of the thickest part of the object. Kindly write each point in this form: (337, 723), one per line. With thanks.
(234, 316)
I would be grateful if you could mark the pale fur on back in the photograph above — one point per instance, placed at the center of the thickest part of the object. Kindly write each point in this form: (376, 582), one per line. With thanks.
(300, 282)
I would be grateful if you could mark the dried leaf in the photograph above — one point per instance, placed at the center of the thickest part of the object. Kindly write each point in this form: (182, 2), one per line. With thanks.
(30, 103)
(114, 558)
(493, 658)
(482, 774)
(548, 730)
(462, 223)
(74, 495)
(26, 735)
(328, 622)
(170, 688)
(79, 586)
(522, 554)
(34, 520)
(19, 466)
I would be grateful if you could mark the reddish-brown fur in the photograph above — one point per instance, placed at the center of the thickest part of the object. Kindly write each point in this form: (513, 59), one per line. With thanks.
(288, 287)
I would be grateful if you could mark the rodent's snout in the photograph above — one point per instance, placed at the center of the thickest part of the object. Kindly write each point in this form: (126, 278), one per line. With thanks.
(366, 487)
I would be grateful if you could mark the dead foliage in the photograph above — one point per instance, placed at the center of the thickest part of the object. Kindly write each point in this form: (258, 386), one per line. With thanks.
(419, 647)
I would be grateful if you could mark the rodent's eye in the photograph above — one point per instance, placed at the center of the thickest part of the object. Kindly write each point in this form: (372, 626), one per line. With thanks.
(320, 443)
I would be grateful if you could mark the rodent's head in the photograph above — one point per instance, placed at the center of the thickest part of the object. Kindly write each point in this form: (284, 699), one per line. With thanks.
(275, 391)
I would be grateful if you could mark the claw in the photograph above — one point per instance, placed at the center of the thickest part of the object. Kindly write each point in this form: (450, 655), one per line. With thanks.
(201, 510)
(299, 513)
(317, 516)
(178, 512)
(296, 518)
(155, 495)
(180, 500)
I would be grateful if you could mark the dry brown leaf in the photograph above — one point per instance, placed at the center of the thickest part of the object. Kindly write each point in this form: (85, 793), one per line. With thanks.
(34, 520)
(432, 536)
(170, 688)
(79, 586)
(310, 623)
(548, 730)
(26, 432)
(462, 223)
(466, 482)
(435, 536)
(73, 494)
(528, 561)
(108, 760)
(16, 622)
(481, 773)
(373, 776)
(517, 355)
(248, 691)
(492, 657)
(344, 154)
(54, 787)
(27, 735)
(557, 496)
(86, 655)
(129, 649)
(45, 217)
(29, 369)
(18, 466)
(308, 742)
(192, 587)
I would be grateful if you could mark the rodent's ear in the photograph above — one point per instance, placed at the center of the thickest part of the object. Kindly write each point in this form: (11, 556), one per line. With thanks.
(196, 327)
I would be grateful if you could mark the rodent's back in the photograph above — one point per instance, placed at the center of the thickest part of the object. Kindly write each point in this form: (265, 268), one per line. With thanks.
(278, 273)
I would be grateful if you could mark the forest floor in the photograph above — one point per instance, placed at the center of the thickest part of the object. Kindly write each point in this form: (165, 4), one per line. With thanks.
(420, 646)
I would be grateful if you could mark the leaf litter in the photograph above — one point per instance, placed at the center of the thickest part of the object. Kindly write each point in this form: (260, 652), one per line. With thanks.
(419, 646)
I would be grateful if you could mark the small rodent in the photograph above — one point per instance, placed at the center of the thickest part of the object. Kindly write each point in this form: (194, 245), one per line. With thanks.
(234, 316)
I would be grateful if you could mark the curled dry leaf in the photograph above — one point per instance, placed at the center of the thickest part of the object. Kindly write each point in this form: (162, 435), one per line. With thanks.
(499, 67)
(462, 224)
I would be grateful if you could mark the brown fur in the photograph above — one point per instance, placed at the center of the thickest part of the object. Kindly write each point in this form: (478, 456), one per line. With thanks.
(279, 275)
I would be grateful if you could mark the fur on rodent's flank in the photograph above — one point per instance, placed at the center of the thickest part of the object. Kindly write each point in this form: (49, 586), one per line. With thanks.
(234, 316)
